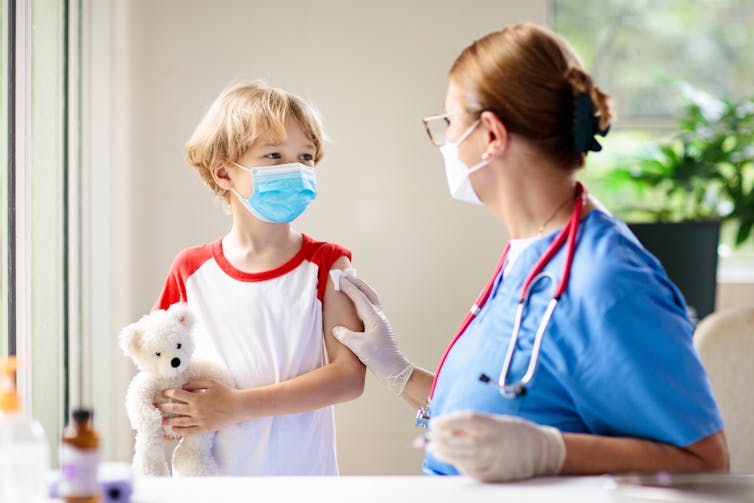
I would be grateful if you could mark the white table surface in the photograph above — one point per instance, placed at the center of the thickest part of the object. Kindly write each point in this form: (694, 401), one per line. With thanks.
(659, 487)
(390, 489)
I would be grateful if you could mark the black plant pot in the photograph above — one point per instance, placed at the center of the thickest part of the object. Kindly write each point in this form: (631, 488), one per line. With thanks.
(688, 251)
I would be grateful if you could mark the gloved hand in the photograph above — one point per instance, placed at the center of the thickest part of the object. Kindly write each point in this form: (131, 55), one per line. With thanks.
(375, 346)
(495, 448)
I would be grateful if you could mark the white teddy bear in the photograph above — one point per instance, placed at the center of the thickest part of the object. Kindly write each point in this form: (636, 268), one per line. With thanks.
(161, 345)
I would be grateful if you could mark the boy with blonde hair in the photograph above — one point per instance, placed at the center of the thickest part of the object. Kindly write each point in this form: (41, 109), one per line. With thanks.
(264, 304)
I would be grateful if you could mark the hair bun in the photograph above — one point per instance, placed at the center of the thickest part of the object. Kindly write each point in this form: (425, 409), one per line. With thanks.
(580, 81)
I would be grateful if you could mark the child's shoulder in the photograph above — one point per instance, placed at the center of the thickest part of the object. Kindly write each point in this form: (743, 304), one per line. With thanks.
(324, 252)
(190, 259)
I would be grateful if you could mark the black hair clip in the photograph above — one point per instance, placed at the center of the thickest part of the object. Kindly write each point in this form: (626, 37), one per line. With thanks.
(586, 126)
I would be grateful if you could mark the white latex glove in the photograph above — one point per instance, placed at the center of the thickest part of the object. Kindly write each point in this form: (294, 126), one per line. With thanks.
(376, 346)
(496, 448)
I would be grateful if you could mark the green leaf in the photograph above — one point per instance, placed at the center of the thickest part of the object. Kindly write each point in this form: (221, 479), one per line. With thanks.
(744, 231)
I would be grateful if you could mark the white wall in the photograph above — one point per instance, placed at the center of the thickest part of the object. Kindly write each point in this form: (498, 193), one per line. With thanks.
(374, 69)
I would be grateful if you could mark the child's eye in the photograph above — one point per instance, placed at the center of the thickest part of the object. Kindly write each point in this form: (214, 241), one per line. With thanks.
(272, 155)
(178, 346)
(306, 157)
(158, 354)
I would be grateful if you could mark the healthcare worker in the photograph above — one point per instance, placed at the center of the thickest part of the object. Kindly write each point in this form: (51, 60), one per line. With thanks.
(577, 357)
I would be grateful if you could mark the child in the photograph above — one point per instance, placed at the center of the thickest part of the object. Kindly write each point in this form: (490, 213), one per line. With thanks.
(264, 305)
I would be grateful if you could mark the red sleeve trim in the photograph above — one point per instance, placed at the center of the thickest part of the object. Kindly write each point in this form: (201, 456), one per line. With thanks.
(324, 256)
(184, 265)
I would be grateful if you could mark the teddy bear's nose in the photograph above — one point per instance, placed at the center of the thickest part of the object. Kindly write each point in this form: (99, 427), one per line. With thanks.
(175, 363)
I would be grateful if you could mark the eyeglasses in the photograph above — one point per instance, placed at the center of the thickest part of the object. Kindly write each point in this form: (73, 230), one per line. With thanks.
(437, 128)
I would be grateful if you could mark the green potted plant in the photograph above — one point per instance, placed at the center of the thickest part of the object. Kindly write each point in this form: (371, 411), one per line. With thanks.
(690, 183)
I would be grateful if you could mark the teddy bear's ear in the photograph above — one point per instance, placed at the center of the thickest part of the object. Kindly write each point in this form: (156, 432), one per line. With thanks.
(182, 314)
(130, 339)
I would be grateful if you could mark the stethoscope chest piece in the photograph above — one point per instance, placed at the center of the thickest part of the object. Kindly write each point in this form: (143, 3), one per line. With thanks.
(509, 391)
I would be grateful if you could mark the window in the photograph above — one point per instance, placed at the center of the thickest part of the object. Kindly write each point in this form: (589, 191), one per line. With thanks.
(638, 49)
(640, 52)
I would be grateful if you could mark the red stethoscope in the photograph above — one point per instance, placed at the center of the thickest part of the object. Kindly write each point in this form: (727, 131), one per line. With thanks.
(566, 237)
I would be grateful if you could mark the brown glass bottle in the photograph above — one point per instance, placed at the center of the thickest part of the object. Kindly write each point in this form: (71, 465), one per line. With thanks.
(79, 460)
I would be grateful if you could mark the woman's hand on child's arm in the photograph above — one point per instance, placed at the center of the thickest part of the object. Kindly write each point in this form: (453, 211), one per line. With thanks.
(376, 345)
(202, 406)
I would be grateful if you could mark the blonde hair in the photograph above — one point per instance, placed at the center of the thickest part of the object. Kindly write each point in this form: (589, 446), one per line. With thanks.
(243, 114)
(530, 78)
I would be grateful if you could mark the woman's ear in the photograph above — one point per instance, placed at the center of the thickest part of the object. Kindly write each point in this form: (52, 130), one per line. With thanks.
(220, 176)
(497, 135)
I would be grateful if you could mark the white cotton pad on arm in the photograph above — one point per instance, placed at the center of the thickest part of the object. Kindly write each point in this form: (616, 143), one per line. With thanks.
(336, 274)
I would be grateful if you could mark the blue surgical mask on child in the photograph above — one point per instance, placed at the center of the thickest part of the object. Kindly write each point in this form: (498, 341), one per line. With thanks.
(281, 192)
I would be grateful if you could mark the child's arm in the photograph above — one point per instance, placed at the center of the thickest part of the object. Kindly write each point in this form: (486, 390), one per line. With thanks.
(342, 379)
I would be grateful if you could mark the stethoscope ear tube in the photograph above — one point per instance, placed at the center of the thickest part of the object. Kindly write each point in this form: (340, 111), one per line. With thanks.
(514, 390)
(566, 237)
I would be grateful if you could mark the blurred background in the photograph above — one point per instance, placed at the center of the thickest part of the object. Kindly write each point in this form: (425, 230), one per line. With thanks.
(99, 97)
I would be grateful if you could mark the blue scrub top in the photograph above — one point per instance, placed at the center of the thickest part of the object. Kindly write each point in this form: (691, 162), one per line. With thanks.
(617, 358)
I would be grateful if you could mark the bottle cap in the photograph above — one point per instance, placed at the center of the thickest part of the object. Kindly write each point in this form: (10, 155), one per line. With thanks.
(82, 415)
(9, 401)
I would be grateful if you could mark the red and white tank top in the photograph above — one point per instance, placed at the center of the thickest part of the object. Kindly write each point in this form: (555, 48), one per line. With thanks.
(264, 328)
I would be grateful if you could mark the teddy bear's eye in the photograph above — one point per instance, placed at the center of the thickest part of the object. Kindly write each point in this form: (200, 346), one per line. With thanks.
(158, 354)
(178, 346)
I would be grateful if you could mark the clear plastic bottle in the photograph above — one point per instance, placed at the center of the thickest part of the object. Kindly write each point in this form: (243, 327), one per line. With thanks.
(79, 460)
(24, 451)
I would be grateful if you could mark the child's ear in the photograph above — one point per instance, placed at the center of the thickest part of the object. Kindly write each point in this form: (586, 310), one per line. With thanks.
(220, 176)
(130, 340)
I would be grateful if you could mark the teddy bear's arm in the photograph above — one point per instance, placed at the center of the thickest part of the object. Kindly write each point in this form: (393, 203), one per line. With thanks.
(142, 414)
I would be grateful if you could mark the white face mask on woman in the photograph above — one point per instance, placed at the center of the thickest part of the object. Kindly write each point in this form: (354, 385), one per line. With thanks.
(458, 173)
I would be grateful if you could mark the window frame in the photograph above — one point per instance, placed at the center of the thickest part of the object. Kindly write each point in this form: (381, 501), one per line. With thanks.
(7, 221)
(35, 214)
